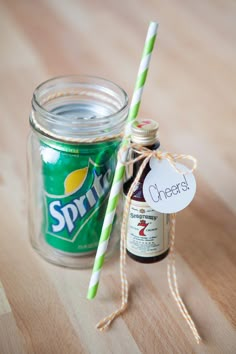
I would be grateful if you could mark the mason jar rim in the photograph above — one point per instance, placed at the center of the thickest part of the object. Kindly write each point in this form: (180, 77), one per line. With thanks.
(42, 110)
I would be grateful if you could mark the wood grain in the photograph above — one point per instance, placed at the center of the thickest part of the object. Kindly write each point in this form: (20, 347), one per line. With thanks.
(191, 92)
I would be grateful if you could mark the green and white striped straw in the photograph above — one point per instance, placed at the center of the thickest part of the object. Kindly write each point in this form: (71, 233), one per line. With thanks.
(120, 168)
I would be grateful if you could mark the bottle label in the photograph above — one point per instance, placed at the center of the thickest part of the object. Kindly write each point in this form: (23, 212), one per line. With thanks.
(147, 232)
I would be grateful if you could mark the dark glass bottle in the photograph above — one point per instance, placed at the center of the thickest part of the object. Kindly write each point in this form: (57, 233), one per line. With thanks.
(147, 230)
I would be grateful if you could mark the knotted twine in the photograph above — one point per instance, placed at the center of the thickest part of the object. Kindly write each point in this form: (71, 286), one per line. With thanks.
(146, 154)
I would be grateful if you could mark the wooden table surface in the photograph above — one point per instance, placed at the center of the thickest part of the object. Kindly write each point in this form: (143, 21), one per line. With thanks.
(191, 92)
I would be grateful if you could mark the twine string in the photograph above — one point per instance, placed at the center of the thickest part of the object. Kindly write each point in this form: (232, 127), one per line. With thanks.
(145, 154)
(172, 281)
(75, 140)
(103, 324)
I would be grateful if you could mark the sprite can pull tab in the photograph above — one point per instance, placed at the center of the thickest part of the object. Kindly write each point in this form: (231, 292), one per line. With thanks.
(76, 124)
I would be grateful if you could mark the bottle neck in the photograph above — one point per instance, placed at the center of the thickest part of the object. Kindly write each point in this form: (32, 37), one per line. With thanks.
(137, 165)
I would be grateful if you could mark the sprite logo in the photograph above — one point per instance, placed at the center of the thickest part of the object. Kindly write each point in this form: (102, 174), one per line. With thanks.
(85, 191)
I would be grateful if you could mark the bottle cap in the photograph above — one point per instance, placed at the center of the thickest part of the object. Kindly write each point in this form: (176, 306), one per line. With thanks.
(144, 132)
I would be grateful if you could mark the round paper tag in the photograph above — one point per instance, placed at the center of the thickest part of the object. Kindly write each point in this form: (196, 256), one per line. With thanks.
(165, 189)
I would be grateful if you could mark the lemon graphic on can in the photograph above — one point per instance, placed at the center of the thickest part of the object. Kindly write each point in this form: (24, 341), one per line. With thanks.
(75, 180)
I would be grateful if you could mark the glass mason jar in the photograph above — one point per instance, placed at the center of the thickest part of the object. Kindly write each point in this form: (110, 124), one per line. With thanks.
(76, 123)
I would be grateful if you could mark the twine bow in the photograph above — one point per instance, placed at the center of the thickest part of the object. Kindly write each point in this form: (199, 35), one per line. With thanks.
(146, 154)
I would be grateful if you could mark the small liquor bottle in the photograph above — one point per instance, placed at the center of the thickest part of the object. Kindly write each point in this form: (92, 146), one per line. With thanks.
(147, 230)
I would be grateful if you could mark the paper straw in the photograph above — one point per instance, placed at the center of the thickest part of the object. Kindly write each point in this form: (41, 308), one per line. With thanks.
(120, 168)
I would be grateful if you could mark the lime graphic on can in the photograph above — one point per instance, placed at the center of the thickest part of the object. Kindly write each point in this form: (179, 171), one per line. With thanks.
(77, 180)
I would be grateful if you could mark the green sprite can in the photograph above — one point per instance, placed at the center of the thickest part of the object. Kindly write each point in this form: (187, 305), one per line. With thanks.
(76, 125)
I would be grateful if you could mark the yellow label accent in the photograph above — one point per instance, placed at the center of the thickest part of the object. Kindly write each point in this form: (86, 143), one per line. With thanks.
(75, 180)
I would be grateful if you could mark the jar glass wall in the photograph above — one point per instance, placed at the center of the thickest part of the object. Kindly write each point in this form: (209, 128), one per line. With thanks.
(72, 150)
